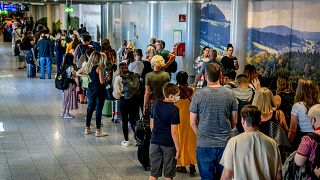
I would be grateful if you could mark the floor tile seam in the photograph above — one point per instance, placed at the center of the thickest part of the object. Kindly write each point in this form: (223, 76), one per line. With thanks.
(33, 162)
(6, 158)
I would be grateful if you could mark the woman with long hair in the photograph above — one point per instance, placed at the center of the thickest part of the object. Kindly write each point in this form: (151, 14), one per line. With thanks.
(128, 56)
(69, 95)
(96, 89)
(264, 100)
(187, 138)
(229, 61)
(251, 72)
(129, 108)
(284, 97)
(307, 95)
(272, 120)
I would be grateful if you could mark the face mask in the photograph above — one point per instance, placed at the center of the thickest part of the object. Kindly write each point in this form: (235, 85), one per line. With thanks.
(176, 99)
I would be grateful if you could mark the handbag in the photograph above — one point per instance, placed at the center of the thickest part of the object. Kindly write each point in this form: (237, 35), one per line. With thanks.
(279, 135)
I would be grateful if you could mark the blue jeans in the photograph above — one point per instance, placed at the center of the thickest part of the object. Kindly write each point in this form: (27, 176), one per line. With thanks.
(208, 159)
(45, 61)
(95, 103)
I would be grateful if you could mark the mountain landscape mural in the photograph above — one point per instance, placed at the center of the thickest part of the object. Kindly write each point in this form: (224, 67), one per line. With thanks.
(273, 48)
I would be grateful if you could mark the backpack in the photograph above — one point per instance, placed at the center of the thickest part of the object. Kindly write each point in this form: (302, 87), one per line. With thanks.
(241, 104)
(292, 171)
(62, 81)
(173, 67)
(131, 86)
(96, 46)
(231, 85)
(82, 58)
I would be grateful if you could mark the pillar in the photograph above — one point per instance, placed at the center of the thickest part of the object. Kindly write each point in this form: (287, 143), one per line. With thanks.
(153, 24)
(192, 36)
(106, 21)
(49, 16)
(63, 17)
(239, 29)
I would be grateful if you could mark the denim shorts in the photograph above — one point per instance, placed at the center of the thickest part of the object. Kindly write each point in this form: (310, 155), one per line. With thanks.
(162, 158)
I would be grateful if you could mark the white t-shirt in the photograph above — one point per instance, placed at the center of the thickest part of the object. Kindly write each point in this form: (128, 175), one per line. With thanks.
(136, 67)
(300, 110)
(252, 155)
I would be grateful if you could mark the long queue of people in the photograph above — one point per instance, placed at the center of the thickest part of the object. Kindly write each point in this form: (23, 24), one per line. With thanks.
(188, 125)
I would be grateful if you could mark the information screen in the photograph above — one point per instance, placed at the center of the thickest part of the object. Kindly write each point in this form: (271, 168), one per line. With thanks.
(9, 7)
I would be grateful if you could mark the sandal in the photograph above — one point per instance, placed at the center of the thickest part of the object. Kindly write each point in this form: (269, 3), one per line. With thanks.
(192, 169)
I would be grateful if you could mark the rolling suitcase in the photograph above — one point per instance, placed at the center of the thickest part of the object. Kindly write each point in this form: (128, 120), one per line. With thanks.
(107, 108)
(116, 115)
(31, 70)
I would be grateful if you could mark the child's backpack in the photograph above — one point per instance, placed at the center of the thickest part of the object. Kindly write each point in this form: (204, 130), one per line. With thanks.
(62, 81)
(131, 85)
(172, 68)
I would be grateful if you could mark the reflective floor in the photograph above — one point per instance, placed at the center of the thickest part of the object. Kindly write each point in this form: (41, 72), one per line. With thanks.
(36, 143)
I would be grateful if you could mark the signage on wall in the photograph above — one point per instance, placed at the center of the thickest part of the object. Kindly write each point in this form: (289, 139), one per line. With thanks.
(182, 17)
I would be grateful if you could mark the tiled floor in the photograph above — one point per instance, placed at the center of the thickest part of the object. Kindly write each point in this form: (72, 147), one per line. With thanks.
(37, 144)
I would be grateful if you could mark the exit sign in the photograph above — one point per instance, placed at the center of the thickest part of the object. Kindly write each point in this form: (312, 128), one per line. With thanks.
(69, 10)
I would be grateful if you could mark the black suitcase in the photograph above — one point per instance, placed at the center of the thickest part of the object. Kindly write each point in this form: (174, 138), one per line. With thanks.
(31, 70)
(143, 139)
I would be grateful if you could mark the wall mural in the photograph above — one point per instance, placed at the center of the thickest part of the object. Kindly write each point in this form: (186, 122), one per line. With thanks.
(283, 37)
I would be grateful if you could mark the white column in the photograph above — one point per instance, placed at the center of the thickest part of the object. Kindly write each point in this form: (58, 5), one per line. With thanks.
(153, 24)
(192, 36)
(63, 16)
(239, 29)
(49, 16)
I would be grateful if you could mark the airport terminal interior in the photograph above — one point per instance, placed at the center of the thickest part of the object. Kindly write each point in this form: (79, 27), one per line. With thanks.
(266, 47)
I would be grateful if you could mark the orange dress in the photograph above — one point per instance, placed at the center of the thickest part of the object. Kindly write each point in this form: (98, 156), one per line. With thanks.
(187, 138)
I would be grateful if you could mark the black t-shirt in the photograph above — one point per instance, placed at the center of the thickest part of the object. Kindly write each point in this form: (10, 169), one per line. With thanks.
(287, 101)
(164, 115)
(26, 43)
(228, 63)
(146, 69)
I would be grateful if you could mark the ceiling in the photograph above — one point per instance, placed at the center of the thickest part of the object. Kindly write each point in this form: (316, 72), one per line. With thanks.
(93, 1)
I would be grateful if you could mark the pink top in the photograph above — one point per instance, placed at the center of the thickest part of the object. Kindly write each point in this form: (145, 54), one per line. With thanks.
(307, 148)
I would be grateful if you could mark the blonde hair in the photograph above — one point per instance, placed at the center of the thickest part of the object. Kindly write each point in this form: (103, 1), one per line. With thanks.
(283, 85)
(263, 99)
(94, 59)
(157, 61)
(307, 92)
(130, 45)
(103, 62)
(314, 111)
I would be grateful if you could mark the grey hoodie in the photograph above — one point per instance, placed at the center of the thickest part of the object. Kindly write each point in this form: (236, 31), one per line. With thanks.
(243, 94)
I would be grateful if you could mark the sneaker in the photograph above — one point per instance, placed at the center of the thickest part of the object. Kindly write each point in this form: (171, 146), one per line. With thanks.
(68, 116)
(87, 131)
(125, 143)
(100, 134)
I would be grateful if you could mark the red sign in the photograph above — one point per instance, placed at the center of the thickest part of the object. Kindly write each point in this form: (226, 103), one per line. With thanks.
(182, 17)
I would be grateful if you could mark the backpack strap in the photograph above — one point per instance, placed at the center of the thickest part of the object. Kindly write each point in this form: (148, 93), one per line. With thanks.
(314, 136)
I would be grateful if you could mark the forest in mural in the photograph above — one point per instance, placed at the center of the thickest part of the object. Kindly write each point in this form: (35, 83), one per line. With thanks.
(282, 36)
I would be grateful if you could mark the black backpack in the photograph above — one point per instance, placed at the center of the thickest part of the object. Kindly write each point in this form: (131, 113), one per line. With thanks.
(173, 67)
(62, 81)
(131, 85)
(241, 104)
